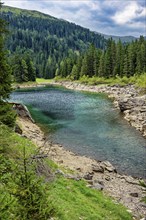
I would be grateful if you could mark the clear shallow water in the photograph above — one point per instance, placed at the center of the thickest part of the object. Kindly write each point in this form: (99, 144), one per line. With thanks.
(89, 125)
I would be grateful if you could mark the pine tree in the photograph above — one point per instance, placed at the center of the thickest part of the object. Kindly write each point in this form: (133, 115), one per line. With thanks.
(97, 55)
(79, 66)
(69, 64)
(31, 69)
(143, 57)
(20, 70)
(110, 58)
(90, 60)
(125, 67)
(118, 67)
(7, 116)
(84, 69)
(23, 71)
(131, 59)
(101, 69)
(63, 68)
(57, 72)
(5, 73)
(113, 58)
(74, 72)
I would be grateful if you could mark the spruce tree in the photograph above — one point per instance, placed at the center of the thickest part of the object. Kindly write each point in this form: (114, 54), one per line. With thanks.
(84, 69)
(79, 66)
(125, 67)
(90, 60)
(20, 70)
(31, 69)
(5, 73)
(143, 57)
(97, 55)
(6, 114)
(101, 69)
(131, 60)
(109, 57)
(74, 72)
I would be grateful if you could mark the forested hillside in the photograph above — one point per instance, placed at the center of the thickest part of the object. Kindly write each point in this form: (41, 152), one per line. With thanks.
(44, 46)
(45, 40)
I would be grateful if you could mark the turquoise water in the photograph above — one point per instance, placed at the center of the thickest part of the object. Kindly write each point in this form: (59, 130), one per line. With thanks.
(87, 124)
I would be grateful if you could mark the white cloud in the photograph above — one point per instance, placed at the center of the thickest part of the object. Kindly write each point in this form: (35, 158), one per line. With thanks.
(119, 17)
(130, 12)
(13, 3)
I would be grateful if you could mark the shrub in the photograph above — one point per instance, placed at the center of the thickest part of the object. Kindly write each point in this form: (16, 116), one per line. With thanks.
(7, 114)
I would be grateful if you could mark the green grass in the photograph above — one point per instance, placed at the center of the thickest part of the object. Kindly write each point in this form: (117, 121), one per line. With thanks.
(12, 144)
(28, 13)
(24, 84)
(70, 199)
(41, 80)
(138, 80)
(75, 201)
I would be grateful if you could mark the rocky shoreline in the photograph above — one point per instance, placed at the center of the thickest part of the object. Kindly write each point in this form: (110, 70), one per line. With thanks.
(100, 175)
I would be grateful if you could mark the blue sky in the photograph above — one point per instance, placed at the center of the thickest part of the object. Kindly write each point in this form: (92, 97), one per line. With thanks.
(112, 17)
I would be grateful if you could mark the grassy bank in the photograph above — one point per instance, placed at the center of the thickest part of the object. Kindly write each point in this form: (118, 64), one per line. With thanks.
(138, 80)
(29, 189)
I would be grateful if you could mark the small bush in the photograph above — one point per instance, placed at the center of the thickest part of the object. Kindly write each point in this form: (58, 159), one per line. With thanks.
(84, 79)
(7, 114)
(141, 80)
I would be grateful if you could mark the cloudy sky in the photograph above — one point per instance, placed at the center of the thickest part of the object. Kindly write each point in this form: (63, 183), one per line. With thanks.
(113, 17)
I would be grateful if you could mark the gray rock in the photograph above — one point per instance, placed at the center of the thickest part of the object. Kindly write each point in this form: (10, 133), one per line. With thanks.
(124, 105)
(98, 186)
(107, 178)
(77, 178)
(88, 176)
(98, 168)
(108, 166)
(134, 194)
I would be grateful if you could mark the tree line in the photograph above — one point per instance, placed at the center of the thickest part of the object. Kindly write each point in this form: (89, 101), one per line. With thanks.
(116, 60)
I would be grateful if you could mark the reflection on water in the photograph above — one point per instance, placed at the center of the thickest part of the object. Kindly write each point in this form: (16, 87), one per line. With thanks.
(89, 125)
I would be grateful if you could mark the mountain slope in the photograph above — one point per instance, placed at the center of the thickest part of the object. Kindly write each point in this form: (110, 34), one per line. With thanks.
(124, 39)
(47, 39)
